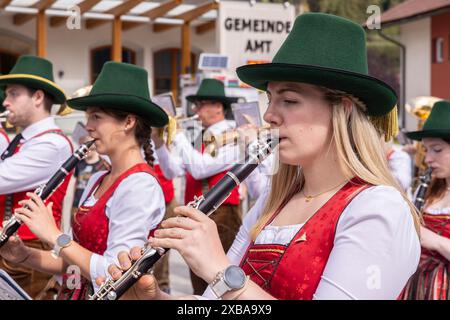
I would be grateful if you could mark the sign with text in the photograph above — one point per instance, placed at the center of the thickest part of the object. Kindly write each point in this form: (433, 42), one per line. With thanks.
(252, 32)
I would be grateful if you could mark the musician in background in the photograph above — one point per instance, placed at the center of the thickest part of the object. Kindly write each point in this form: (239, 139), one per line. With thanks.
(34, 155)
(118, 208)
(4, 139)
(334, 224)
(400, 164)
(432, 279)
(202, 170)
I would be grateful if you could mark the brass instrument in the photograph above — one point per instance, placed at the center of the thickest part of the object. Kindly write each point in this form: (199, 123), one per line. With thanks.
(65, 109)
(420, 108)
(214, 142)
(4, 115)
(4, 118)
(168, 132)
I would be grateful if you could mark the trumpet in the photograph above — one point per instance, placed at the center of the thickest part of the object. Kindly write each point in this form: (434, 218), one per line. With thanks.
(168, 132)
(4, 115)
(214, 142)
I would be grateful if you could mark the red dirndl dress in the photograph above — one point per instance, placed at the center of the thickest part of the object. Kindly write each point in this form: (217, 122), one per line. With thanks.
(90, 230)
(431, 280)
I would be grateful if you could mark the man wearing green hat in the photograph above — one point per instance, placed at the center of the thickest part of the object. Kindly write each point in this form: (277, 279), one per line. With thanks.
(202, 170)
(4, 139)
(34, 155)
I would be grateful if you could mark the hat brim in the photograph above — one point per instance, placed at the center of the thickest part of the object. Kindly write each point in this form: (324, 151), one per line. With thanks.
(35, 82)
(379, 97)
(227, 101)
(437, 133)
(128, 103)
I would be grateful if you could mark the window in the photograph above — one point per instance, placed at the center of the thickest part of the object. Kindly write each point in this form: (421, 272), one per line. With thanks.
(7, 61)
(438, 50)
(103, 54)
(167, 66)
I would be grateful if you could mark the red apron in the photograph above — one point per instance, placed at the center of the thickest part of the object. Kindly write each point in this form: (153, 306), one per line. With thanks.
(57, 197)
(194, 187)
(293, 271)
(166, 184)
(91, 227)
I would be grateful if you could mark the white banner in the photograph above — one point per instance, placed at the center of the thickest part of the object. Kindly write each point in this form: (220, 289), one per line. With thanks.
(250, 33)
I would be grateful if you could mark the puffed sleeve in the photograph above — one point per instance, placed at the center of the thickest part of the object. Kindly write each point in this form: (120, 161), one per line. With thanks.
(376, 248)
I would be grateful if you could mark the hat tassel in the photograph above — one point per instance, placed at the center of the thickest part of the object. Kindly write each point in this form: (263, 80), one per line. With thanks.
(387, 124)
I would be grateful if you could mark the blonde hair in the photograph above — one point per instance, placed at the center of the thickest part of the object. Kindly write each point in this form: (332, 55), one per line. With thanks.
(359, 151)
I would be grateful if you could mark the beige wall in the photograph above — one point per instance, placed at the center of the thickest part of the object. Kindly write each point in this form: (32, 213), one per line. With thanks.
(416, 36)
(69, 50)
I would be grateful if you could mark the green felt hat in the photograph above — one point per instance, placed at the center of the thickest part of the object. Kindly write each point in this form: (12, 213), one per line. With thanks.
(122, 86)
(37, 73)
(437, 125)
(329, 51)
(212, 89)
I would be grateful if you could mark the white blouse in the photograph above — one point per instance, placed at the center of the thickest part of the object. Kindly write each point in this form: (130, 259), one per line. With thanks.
(376, 247)
(132, 213)
(400, 164)
(437, 210)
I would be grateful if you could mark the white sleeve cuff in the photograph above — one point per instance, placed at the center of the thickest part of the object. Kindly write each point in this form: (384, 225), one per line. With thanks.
(99, 268)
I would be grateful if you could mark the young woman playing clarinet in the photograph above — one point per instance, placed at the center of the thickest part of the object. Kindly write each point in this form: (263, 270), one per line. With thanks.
(116, 211)
(334, 224)
(431, 281)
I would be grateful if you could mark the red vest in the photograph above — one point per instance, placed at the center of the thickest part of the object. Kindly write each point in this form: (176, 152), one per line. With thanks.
(293, 271)
(91, 227)
(431, 280)
(3, 197)
(194, 187)
(166, 185)
(57, 197)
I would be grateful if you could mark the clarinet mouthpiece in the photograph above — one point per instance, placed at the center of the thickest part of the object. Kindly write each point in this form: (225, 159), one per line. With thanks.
(90, 143)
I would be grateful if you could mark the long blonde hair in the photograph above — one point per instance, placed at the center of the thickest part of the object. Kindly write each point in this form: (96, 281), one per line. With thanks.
(359, 151)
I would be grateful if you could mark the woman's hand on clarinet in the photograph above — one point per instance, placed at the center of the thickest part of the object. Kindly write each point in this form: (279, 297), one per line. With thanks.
(146, 288)
(196, 238)
(14, 250)
(39, 218)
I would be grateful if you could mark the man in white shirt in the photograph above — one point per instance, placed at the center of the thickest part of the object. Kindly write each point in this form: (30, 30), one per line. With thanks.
(4, 140)
(201, 169)
(34, 155)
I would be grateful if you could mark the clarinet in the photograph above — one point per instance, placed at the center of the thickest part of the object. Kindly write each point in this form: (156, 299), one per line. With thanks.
(45, 190)
(208, 203)
(425, 179)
